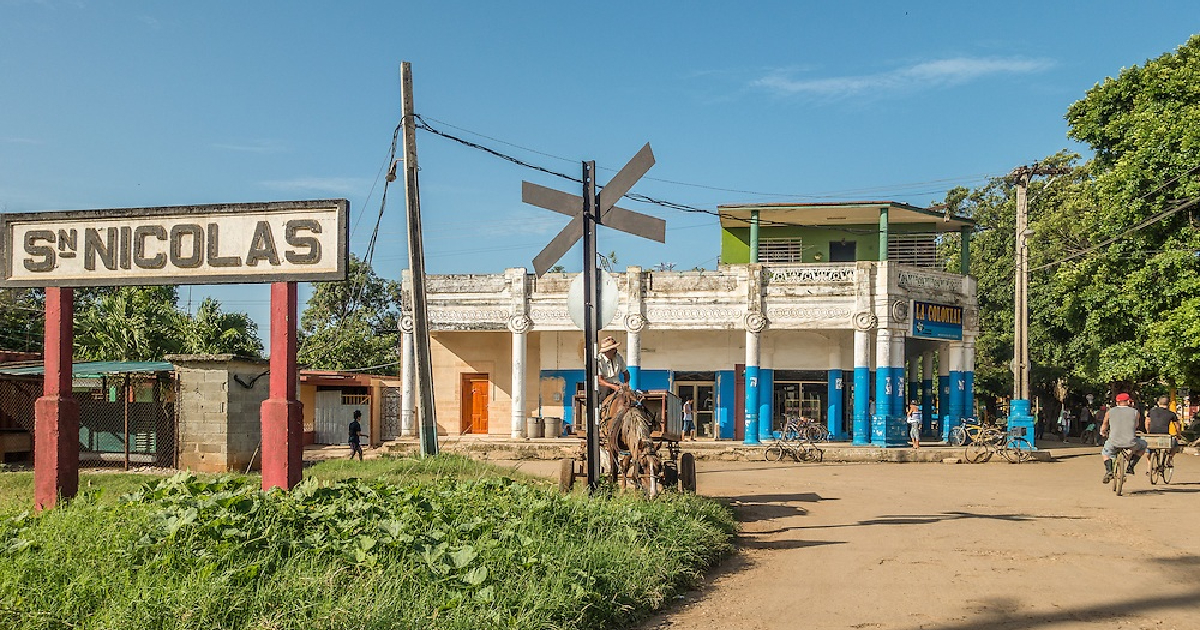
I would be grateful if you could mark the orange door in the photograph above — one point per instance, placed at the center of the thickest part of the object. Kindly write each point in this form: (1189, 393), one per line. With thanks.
(475, 404)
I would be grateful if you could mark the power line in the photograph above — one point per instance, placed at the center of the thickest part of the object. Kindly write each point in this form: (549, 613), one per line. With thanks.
(421, 124)
(1154, 219)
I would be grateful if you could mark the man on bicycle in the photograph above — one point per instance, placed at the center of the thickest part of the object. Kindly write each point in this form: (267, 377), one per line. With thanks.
(1120, 429)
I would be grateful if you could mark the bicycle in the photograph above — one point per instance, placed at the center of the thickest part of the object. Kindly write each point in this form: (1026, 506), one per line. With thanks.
(970, 431)
(793, 441)
(1016, 448)
(1160, 461)
(983, 446)
(1120, 462)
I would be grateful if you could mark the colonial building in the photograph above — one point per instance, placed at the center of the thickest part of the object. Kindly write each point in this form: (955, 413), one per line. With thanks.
(838, 312)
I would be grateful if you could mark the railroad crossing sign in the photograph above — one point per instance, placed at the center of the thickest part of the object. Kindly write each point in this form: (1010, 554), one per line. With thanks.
(586, 213)
(611, 216)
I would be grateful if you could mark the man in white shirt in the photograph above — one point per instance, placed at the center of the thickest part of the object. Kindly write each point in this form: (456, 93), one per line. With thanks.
(610, 367)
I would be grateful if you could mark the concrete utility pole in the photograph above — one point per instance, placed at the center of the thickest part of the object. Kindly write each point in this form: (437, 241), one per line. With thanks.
(426, 410)
(1019, 408)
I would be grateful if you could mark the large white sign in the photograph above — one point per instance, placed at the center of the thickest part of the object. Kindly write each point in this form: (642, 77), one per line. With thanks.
(211, 244)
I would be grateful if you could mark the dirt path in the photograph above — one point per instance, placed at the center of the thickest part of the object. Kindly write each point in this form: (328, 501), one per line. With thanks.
(941, 547)
(907, 546)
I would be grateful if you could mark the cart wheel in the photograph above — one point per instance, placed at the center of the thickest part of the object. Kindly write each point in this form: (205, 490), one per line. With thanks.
(566, 475)
(687, 472)
(670, 475)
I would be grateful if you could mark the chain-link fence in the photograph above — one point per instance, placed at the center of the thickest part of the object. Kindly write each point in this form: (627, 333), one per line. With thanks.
(125, 420)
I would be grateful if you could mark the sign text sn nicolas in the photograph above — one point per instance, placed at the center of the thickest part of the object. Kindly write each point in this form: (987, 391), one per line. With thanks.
(207, 244)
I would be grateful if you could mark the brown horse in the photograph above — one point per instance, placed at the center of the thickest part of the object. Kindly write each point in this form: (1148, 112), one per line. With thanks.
(626, 427)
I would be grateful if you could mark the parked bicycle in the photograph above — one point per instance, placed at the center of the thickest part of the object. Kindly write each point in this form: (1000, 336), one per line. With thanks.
(971, 431)
(794, 442)
(1012, 445)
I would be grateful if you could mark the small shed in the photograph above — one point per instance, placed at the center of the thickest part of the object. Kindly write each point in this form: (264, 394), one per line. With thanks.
(126, 409)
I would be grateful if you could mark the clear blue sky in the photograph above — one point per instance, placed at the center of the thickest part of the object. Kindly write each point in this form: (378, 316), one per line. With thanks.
(126, 104)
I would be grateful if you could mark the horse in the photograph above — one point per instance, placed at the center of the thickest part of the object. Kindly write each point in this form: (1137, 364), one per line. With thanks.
(626, 427)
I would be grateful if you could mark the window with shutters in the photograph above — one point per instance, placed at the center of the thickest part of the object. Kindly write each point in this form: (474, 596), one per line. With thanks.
(781, 250)
(914, 250)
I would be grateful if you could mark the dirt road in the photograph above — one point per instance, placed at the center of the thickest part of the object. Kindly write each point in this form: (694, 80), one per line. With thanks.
(941, 547)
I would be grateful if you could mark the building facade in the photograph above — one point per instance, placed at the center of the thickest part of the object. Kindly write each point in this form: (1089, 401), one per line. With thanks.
(837, 312)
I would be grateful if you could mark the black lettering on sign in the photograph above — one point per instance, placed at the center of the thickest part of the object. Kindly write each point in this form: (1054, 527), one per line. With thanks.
(105, 248)
(68, 242)
(214, 246)
(313, 255)
(46, 252)
(195, 257)
(126, 236)
(262, 246)
(157, 261)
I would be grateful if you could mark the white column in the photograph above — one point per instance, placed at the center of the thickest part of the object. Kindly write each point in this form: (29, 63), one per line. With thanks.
(519, 327)
(408, 380)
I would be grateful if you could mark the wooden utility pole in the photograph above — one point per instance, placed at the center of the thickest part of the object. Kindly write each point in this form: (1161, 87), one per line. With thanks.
(1020, 366)
(426, 412)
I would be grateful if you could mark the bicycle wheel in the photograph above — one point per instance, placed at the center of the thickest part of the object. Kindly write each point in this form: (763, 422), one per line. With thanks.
(978, 452)
(1017, 451)
(774, 453)
(1168, 468)
(1119, 465)
(1153, 466)
(958, 436)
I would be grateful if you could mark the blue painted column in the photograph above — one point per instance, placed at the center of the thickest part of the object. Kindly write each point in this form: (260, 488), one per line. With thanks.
(957, 386)
(766, 399)
(751, 402)
(1019, 416)
(726, 394)
(914, 381)
(885, 429)
(635, 381)
(834, 414)
(943, 410)
(927, 394)
(861, 430)
(900, 402)
(968, 370)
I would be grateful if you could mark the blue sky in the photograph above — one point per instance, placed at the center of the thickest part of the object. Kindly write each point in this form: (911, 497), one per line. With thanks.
(128, 104)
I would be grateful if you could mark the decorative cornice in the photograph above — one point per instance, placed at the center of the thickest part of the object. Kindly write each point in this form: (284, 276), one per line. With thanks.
(810, 275)
(865, 320)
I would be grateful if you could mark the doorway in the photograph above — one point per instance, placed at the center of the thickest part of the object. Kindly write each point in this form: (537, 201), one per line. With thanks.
(805, 399)
(701, 395)
(843, 251)
(475, 389)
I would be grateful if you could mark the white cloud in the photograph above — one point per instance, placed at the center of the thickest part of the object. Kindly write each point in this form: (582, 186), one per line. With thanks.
(927, 74)
(338, 185)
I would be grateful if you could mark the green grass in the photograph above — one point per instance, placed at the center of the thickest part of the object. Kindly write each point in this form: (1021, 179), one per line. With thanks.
(443, 543)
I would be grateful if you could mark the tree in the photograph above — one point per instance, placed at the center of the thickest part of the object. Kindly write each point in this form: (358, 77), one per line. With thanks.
(353, 323)
(1114, 291)
(146, 323)
(22, 319)
(211, 331)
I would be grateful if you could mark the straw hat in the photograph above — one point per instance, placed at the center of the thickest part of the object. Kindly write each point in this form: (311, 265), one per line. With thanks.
(609, 344)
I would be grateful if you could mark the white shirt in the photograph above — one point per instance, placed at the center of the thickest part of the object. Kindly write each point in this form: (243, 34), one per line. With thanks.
(915, 417)
(610, 369)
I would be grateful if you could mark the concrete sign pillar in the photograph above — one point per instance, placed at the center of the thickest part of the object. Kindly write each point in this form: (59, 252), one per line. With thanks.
(282, 415)
(56, 413)
(519, 327)
(408, 379)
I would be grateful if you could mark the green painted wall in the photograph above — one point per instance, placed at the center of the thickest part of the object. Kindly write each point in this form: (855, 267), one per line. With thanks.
(735, 242)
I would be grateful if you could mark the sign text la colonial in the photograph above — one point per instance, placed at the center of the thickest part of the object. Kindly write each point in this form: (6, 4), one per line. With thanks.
(206, 244)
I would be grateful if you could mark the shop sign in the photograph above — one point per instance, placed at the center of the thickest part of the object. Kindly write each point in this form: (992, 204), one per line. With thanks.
(937, 321)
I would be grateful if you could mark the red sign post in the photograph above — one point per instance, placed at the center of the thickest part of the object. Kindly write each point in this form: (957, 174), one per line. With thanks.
(56, 413)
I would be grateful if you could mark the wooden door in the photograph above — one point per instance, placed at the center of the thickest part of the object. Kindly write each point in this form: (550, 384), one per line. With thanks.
(739, 402)
(475, 404)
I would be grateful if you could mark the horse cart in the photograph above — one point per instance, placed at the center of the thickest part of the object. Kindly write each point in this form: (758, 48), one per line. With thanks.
(668, 466)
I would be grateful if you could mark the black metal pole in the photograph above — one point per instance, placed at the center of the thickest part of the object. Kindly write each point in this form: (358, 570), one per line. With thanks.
(589, 323)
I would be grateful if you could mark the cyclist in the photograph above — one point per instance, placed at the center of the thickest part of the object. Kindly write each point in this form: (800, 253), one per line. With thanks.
(1162, 421)
(1120, 426)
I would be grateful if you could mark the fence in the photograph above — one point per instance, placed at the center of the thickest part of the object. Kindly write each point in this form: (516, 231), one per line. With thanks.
(124, 420)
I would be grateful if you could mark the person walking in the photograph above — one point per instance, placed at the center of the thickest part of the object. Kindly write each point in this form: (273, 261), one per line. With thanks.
(1120, 426)
(356, 436)
(689, 420)
(914, 424)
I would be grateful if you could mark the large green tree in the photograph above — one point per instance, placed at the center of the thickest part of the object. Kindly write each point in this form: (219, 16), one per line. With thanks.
(1115, 277)
(352, 324)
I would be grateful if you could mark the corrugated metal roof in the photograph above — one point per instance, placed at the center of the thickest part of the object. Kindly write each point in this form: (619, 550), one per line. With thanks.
(96, 368)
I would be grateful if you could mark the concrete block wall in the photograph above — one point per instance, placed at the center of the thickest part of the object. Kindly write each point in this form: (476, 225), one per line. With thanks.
(220, 399)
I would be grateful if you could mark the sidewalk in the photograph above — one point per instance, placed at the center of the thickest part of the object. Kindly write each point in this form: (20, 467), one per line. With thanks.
(507, 448)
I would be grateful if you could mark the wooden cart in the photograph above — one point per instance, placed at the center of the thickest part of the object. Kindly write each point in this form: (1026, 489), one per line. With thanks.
(679, 468)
